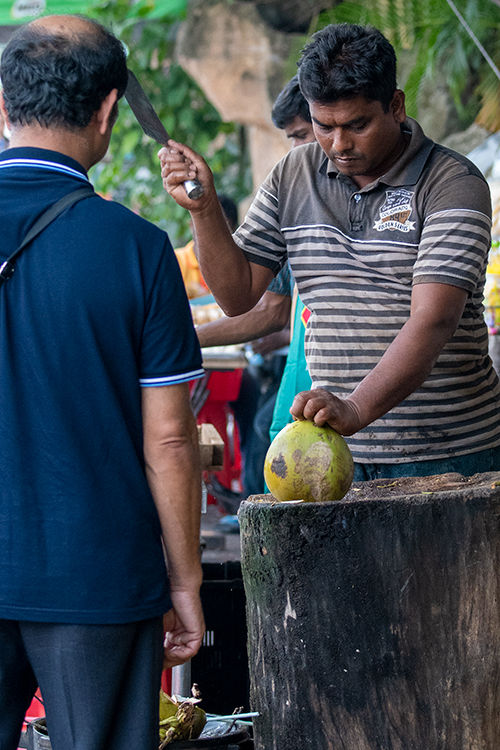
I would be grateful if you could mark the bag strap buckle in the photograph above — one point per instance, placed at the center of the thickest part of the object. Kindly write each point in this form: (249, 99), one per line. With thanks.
(6, 270)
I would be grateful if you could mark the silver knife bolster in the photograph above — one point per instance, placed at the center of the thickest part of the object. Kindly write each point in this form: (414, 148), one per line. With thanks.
(194, 189)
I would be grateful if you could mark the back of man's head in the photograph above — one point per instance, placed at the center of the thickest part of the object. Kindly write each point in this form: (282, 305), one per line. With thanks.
(346, 60)
(289, 104)
(57, 73)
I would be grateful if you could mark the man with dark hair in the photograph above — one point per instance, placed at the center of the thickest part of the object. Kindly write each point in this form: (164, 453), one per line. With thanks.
(98, 444)
(53, 82)
(345, 61)
(387, 234)
(291, 113)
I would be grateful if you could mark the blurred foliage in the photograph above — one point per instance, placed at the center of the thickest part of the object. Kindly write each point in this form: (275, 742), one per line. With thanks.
(440, 47)
(427, 31)
(130, 172)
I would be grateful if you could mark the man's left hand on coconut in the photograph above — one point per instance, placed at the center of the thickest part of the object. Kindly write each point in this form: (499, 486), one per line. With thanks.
(322, 407)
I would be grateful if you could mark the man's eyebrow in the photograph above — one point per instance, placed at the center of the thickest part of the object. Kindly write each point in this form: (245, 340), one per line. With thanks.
(355, 121)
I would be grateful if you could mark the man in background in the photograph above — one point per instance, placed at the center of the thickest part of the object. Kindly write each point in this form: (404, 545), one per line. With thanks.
(291, 113)
(98, 445)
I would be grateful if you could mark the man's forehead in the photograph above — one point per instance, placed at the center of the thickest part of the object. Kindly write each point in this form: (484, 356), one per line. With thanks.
(298, 123)
(344, 110)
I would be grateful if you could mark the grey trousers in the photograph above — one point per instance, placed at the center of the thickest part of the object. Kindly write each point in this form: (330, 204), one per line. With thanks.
(99, 683)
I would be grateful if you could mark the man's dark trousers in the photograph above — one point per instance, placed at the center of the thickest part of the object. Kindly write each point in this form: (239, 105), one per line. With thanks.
(118, 710)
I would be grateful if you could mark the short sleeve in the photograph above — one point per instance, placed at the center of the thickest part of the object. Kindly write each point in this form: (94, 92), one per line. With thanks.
(456, 236)
(170, 350)
(259, 236)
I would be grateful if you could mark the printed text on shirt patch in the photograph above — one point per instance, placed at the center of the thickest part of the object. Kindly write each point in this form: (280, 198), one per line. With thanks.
(395, 212)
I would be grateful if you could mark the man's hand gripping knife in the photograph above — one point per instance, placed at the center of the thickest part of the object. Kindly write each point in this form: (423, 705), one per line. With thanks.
(236, 284)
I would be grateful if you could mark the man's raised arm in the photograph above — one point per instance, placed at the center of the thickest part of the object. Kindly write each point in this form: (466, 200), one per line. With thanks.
(236, 283)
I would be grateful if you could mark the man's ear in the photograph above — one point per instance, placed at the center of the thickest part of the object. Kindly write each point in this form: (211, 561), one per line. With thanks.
(397, 106)
(106, 116)
(3, 110)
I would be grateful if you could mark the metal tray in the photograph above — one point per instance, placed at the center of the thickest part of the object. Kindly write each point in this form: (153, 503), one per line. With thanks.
(234, 737)
(37, 740)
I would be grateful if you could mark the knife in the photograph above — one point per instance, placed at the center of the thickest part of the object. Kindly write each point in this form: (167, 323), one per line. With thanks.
(152, 125)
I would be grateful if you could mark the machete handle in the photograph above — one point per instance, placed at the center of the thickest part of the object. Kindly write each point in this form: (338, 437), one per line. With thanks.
(194, 189)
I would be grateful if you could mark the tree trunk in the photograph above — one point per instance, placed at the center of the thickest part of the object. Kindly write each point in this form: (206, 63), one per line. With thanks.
(374, 622)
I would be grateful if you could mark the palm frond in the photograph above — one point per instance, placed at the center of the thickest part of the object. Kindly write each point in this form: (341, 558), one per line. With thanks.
(443, 50)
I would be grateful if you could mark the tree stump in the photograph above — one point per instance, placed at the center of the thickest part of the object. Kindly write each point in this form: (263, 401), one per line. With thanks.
(374, 622)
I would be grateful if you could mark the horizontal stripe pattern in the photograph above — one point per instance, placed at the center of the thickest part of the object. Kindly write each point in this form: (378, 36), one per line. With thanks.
(357, 283)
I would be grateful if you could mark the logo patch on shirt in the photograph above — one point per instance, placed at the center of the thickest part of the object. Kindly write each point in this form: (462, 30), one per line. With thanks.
(395, 212)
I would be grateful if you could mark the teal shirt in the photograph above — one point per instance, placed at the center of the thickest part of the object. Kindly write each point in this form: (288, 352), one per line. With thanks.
(296, 376)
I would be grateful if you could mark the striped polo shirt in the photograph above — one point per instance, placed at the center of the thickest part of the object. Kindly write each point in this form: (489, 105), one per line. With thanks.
(355, 254)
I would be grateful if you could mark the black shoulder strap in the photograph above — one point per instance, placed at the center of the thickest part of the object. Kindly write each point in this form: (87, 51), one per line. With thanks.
(7, 268)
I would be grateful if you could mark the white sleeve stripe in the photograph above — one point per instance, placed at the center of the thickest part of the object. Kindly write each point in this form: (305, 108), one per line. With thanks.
(457, 212)
(172, 379)
(270, 195)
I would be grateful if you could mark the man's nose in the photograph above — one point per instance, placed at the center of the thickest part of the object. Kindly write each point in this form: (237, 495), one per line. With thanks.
(342, 141)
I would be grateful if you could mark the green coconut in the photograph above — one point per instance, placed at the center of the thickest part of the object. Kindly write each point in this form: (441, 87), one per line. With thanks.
(309, 463)
(183, 718)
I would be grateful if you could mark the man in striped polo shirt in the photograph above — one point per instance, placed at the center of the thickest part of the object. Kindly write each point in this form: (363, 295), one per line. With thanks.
(387, 234)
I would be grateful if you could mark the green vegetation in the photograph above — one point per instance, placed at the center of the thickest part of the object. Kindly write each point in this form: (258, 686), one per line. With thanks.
(441, 49)
(427, 32)
(131, 171)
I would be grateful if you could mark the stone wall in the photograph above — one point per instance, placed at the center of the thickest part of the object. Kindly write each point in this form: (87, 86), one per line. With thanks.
(240, 63)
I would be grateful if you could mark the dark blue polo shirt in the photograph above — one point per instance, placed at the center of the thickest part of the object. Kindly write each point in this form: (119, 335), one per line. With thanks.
(95, 309)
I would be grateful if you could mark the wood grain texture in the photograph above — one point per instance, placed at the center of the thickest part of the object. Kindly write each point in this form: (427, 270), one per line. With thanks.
(374, 622)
